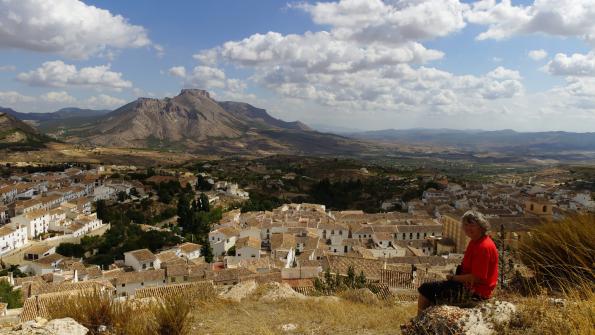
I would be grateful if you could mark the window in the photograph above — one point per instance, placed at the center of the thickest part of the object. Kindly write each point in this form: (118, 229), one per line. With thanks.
(403, 235)
(142, 283)
(151, 264)
(123, 285)
(418, 236)
(411, 236)
(144, 266)
(340, 232)
(544, 209)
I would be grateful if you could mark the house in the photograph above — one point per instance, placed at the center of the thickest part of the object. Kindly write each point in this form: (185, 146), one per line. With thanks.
(47, 264)
(126, 283)
(383, 239)
(37, 222)
(3, 214)
(12, 238)
(248, 247)
(222, 239)
(189, 250)
(38, 251)
(140, 260)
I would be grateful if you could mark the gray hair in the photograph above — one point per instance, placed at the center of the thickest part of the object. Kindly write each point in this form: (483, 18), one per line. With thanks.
(472, 216)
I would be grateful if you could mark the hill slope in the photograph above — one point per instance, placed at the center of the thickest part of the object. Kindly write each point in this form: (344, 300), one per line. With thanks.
(16, 134)
(193, 121)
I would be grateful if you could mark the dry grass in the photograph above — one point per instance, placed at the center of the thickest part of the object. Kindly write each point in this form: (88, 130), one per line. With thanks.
(562, 253)
(540, 315)
(99, 312)
(324, 315)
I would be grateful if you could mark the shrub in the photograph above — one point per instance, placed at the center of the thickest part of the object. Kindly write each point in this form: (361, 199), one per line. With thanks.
(172, 316)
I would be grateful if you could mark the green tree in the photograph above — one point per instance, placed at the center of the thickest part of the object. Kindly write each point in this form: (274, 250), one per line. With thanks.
(207, 252)
(360, 281)
(10, 296)
(350, 279)
(202, 184)
(204, 203)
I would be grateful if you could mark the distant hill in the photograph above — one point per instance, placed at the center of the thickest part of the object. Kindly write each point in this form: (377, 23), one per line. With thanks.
(17, 135)
(478, 140)
(63, 118)
(193, 121)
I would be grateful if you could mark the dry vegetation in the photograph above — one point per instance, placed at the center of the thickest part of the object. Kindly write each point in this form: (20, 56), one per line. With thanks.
(561, 300)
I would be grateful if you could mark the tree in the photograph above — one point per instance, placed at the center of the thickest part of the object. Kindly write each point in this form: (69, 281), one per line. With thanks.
(10, 296)
(207, 252)
(202, 184)
(231, 251)
(350, 280)
(360, 281)
(204, 203)
(70, 250)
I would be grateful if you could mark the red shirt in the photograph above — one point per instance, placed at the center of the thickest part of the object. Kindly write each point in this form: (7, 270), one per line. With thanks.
(481, 259)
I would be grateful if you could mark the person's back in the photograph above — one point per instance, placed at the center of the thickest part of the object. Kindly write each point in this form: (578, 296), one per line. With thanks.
(481, 260)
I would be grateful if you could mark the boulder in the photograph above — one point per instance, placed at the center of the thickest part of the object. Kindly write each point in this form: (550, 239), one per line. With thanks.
(279, 291)
(240, 291)
(41, 326)
(450, 320)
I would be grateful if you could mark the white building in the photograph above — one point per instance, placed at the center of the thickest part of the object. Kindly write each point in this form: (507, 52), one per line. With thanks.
(140, 260)
(222, 239)
(37, 222)
(12, 238)
(248, 248)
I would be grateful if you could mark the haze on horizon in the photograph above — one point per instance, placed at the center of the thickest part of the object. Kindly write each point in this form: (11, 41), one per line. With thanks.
(356, 64)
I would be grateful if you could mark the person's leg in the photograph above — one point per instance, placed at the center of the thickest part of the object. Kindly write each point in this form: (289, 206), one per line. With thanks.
(422, 303)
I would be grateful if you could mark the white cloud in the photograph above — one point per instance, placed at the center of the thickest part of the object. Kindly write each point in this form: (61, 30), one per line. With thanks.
(103, 101)
(13, 97)
(59, 74)
(574, 65)
(552, 17)
(60, 97)
(210, 78)
(67, 27)
(160, 50)
(537, 54)
(177, 71)
(7, 68)
(320, 51)
(390, 22)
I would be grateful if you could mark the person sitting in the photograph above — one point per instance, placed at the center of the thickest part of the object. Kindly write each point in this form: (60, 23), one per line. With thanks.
(477, 275)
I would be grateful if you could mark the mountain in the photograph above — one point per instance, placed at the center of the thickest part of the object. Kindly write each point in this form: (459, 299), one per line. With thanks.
(193, 121)
(479, 140)
(63, 118)
(16, 134)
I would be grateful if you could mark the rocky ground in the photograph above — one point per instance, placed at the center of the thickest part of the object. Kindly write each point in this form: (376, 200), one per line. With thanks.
(41, 326)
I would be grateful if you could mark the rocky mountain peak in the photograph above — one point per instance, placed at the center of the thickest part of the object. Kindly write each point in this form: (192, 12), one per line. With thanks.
(195, 92)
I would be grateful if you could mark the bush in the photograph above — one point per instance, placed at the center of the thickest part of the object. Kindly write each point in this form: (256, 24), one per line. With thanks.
(172, 316)
(561, 252)
(10, 296)
(98, 309)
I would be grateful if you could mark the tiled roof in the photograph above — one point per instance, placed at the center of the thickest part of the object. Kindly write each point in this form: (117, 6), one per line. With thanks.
(195, 289)
(248, 241)
(189, 247)
(142, 255)
(137, 277)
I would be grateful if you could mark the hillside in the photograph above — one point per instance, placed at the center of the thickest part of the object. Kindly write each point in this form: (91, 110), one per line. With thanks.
(193, 121)
(16, 134)
(63, 118)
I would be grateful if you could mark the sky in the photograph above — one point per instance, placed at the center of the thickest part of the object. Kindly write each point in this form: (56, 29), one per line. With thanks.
(354, 64)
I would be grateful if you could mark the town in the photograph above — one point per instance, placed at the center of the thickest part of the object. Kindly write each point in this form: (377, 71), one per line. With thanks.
(56, 223)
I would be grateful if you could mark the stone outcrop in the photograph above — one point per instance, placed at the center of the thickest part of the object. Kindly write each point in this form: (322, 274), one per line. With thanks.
(41, 326)
(450, 320)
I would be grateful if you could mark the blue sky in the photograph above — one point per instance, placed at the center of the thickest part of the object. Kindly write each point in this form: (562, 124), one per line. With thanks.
(364, 64)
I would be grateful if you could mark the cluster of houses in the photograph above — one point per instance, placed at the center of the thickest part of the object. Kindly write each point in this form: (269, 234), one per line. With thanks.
(293, 243)
(48, 204)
